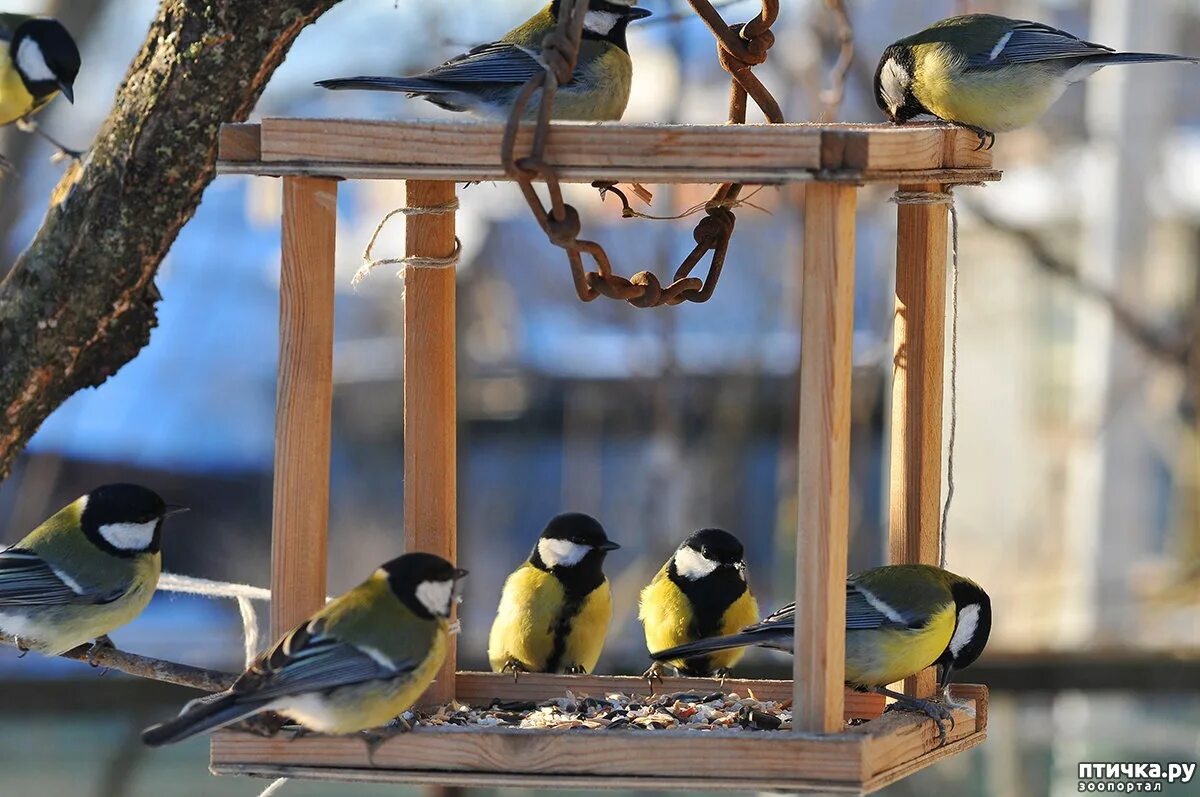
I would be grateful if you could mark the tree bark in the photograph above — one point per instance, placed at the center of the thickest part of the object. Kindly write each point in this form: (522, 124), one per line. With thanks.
(80, 301)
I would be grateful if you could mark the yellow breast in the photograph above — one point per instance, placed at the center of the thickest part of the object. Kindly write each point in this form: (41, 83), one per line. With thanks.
(880, 656)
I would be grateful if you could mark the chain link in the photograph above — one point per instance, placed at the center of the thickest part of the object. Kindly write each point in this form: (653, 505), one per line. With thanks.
(739, 49)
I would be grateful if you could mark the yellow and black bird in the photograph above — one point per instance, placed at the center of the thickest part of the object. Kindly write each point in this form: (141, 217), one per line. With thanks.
(486, 80)
(900, 619)
(555, 608)
(355, 665)
(701, 592)
(989, 73)
(38, 61)
(89, 569)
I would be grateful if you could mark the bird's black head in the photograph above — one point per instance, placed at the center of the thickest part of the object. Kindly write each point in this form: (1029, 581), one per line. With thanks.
(573, 547)
(424, 582)
(45, 57)
(706, 551)
(972, 627)
(123, 519)
(894, 79)
(607, 20)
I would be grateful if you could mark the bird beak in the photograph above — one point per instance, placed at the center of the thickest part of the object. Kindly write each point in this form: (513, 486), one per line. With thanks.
(609, 546)
(68, 91)
(460, 573)
(175, 509)
(635, 13)
(945, 680)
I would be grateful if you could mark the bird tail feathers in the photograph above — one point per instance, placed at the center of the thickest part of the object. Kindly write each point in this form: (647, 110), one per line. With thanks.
(702, 647)
(368, 83)
(1140, 58)
(200, 715)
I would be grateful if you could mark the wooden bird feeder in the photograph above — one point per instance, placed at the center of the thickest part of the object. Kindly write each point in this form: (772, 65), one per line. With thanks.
(822, 752)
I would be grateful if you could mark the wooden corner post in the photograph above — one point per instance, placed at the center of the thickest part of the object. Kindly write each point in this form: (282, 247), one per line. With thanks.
(826, 370)
(917, 371)
(300, 513)
(430, 391)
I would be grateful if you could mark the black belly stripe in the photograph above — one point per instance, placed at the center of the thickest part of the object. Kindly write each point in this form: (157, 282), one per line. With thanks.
(562, 631)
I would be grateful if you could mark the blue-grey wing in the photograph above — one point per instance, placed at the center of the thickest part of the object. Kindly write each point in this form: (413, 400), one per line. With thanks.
(491, 63)
(27, 580)
(1030, 42)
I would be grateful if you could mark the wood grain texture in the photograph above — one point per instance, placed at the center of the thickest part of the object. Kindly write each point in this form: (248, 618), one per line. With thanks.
(619, 152)
(480, 688)
(300, 517)
(827, 331)
(917, 373)
(430, 394)
(240, 142)
(865, 758)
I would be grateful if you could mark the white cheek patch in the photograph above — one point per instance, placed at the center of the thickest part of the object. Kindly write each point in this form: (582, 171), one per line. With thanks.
(968, 621)
(601, 22)
(561, 553)
(999, 48)
(435, 596)
(129, 536)
(693, 565)
(894, 80)
(32, 64)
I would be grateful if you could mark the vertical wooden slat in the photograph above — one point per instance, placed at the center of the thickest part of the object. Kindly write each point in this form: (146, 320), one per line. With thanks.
(916, 459)
(430, 418)
(826, 369)
(300, 518)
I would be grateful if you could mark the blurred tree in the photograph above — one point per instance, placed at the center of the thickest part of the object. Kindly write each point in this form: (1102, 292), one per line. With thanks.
(80, 302)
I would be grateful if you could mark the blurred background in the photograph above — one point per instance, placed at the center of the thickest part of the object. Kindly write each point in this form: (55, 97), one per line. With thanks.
(1078, 461)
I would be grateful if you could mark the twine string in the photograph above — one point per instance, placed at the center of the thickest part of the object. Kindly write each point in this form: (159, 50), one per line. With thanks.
(370, 263)
(945, 198)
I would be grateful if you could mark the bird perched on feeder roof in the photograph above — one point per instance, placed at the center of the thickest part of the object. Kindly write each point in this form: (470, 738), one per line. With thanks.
(555, 608)
(486, 80)
(88, 570)
(989, 73)
(900, 619)
(356, 664)
(38, 61)
(700, 592)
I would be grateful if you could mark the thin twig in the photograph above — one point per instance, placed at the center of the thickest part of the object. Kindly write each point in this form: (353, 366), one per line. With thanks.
(145, 667)
(832, 97)
(1173, 350)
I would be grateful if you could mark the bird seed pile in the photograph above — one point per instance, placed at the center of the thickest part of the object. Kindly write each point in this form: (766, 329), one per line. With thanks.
(620, 712)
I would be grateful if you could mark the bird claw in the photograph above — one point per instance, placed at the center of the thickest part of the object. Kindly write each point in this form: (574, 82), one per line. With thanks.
(515, 667)
(654, 673)
(722, 674)
(576, 669)
(987, 139)
(934, 709)
(375, 737)
(100, 643)
(22, 647)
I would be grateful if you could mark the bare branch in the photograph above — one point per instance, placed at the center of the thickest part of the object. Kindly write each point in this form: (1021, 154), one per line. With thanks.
(832, 97)
(1173, 350)
(145, 667)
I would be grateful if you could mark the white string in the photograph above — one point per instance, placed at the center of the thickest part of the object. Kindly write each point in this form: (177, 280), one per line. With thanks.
(275, 786)
(414, 261)
(945, 198)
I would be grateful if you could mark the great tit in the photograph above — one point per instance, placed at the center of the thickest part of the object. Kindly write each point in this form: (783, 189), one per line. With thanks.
(356, 664)
(900, 619)
(555, 608)
(700, 592)
(38, 61)
(486, 80)
(88, 570)
(988, 73)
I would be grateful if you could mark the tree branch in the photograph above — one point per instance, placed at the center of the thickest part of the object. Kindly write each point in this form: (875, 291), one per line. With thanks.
(145, 667)
(79, 302)
(1174, 350)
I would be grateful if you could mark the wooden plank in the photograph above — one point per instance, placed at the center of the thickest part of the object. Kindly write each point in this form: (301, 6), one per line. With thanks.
(666, 753)
(827, 330)
(481, 688)
(586, 152)
(300, 515)
(240, 142)
(430, 398)
(917, 371)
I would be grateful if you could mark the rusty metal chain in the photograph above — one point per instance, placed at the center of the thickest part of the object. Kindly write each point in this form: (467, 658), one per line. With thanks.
(739, 48)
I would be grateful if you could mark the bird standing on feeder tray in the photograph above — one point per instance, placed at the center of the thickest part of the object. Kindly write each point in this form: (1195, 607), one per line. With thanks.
(88, 570)
(555, 609)
(38, 61)
(700, 592)
(988, 73)
(356, 664)
(900, 619)
(486, 80)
